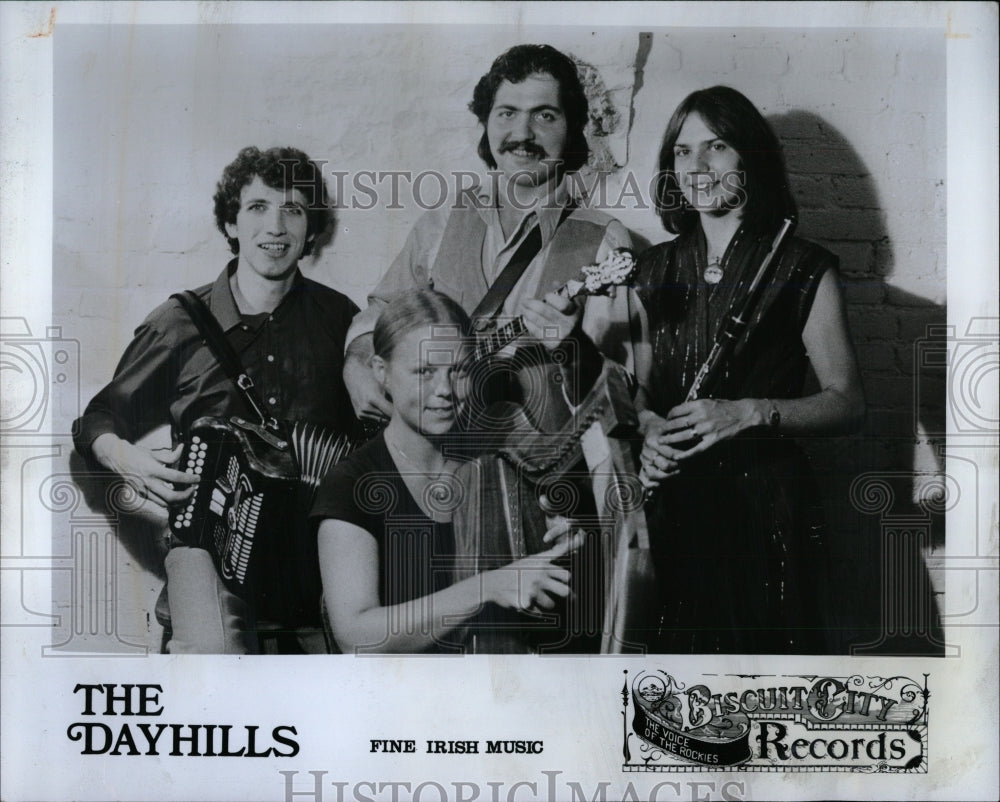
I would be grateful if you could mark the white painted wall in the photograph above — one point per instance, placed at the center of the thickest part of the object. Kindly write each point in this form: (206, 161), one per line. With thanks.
(146, 118)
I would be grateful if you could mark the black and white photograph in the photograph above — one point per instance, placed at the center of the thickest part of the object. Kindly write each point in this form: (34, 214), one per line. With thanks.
(528, 401)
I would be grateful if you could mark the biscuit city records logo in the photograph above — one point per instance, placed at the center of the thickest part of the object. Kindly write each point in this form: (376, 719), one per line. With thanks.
(774, 723)
(664, 721)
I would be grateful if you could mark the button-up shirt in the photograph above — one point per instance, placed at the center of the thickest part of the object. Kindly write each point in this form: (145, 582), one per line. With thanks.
(617, 325)
(294, 355)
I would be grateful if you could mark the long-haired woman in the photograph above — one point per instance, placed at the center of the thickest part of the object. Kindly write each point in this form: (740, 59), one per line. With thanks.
(734, 513)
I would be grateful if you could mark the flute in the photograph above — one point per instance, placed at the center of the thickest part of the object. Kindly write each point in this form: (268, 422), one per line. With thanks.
(734, 324)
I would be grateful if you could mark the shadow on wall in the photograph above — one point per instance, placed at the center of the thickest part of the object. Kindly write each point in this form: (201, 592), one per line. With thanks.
(884, 488)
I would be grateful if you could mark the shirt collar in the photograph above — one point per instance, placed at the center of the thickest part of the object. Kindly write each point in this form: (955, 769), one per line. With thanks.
(223, 304)
(547, 210)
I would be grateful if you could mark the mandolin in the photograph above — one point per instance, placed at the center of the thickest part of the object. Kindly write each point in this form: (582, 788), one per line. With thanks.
(523, 389)
(601, 278)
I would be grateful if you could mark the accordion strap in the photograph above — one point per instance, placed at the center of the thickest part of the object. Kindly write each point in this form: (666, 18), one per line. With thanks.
(217, 342)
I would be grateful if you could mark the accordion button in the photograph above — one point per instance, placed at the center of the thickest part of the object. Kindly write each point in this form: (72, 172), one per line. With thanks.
(272, 400)
(196, 439)
(270, 357)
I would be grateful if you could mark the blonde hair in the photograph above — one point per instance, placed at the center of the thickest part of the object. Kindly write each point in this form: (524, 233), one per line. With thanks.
(411, 310)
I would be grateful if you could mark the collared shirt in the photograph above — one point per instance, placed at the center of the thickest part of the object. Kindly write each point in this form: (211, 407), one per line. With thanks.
(617, 325)
(294, 355)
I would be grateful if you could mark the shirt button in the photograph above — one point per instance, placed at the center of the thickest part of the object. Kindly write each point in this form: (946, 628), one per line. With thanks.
(272, 400)
(270, 357)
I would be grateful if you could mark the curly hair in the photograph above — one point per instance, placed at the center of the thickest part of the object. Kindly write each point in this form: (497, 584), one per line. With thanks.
(279, 168)
(734, 119)
(515, 65)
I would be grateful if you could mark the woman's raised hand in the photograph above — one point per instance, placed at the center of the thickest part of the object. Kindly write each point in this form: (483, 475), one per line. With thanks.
(536, 582)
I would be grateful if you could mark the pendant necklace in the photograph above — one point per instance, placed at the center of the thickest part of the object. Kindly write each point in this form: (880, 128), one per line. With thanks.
(713, 273)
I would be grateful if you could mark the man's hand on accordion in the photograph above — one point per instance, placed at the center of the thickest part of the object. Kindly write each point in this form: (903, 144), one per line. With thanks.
(146, 470)
(532, 583)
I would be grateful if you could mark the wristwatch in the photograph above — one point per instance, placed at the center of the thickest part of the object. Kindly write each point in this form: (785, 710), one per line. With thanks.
(773, 418)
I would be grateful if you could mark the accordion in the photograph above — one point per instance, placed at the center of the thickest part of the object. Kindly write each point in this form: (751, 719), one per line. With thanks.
(251, 505)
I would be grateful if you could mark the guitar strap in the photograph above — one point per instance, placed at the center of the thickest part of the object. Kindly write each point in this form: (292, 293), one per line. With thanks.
(493, 301)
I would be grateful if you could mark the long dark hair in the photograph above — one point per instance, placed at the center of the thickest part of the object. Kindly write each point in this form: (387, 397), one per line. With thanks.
(734, 119)
(515, 65)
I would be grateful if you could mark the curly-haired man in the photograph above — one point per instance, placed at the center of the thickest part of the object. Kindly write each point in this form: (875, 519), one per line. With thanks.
(289, 333)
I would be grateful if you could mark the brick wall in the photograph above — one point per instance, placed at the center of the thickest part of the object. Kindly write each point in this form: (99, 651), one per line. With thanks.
(145, 119)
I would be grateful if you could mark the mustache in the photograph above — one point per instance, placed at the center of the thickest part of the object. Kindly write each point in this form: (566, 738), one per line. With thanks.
(531, 147)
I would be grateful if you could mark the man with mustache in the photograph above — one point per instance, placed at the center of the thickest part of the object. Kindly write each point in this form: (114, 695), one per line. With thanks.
(533, 110)
(289, 334)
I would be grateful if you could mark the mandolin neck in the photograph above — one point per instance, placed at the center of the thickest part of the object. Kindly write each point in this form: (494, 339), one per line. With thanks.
(502, 336)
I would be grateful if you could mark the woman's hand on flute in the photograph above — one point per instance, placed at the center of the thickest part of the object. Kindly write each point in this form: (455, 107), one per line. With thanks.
(705, 422)
(658, 459)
